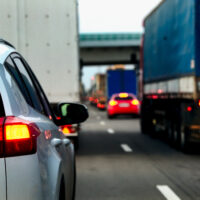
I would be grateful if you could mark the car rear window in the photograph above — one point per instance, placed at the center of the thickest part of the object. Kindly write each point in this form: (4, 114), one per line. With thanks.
(124, 98)
(13, 72)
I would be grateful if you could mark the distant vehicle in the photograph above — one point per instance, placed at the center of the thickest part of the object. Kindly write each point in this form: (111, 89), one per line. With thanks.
(123, 103)
(121, 80)
(36, 160)
(93, 100)
(71, 131)
(170, 73)
(101, 105)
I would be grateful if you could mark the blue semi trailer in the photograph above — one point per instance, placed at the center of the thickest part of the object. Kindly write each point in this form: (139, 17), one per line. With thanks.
(170, 72)
(121, 80)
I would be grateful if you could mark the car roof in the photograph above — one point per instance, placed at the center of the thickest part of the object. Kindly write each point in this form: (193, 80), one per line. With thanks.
(5, 49)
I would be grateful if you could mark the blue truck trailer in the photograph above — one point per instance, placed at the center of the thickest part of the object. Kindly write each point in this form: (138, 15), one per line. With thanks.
(170, 72)
(121, 80)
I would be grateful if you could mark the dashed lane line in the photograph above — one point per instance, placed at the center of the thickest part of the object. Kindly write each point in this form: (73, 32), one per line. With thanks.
(102, 123)
(126, 148)
(167, 192)
(111, 131)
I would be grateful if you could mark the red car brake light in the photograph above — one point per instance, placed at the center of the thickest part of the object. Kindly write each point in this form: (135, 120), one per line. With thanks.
(113, 103)
(135, 102)
(18, 136)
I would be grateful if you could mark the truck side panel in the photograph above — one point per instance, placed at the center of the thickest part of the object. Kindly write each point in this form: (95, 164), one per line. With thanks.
(197, 38)
(46, 33)
(169, 43)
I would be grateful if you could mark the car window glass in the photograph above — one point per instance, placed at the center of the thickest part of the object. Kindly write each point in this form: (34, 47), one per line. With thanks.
(29, 84)
(14, 73)
(124, 98)
(41, 93)
(13, 100)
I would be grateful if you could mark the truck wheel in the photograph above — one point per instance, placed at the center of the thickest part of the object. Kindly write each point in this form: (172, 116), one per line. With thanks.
(175, 135)
(184, 143)
(147, 127)
(143, 127)
(170, 130)
(76, 143)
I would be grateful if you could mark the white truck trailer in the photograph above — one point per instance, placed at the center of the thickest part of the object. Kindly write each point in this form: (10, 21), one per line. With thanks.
(46, 33)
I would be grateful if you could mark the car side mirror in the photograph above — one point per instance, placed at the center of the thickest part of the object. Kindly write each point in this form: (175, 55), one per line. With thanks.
(72, 113)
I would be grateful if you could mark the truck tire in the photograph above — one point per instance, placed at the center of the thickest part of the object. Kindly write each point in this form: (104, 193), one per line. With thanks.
(170, 130)
(143, 126)
(76, 143)
(175, 135)
(184, 140)
(147, 127)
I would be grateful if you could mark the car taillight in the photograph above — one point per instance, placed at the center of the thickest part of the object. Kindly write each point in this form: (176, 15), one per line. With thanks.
(199, 102)
(98, 105)
(18, 137)
(189, 108)
(96, 101)
(67, 129)
(1, 136)
(113, 103)
(135, 102)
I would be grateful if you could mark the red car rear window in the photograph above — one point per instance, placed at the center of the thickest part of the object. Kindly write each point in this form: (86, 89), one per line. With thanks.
(124, 98)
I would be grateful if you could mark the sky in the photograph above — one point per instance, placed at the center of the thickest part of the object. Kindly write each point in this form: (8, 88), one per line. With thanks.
(100, 16)
(113, 15)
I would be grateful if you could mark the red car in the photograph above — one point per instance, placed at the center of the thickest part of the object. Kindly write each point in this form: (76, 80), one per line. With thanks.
(123, 103)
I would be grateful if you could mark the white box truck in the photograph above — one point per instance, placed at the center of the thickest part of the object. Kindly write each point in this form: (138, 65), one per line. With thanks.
(46, 33)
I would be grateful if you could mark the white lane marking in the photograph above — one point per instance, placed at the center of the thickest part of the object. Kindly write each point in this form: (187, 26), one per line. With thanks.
(110, 131)
(102, 123)
(126, 148)
(167, 192)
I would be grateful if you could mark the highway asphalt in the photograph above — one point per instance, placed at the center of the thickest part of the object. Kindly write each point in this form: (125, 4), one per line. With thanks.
(115, 161)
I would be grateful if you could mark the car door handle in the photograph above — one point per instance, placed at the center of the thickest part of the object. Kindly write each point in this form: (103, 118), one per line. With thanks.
(56, 142)
(66, 142)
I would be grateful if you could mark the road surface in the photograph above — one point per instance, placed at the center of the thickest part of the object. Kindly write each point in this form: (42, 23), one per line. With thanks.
(116, 162)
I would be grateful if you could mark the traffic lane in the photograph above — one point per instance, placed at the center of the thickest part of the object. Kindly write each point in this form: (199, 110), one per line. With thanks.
(182, 169)
(102, 163)
(107, 172)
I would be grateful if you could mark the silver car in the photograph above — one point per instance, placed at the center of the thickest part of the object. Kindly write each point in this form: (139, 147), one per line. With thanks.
(36, 160)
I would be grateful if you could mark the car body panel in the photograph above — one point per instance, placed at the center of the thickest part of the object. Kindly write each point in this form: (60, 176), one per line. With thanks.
(2, 179)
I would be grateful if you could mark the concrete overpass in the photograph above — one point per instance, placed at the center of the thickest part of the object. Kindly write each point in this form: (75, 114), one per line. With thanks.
(109, 48)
